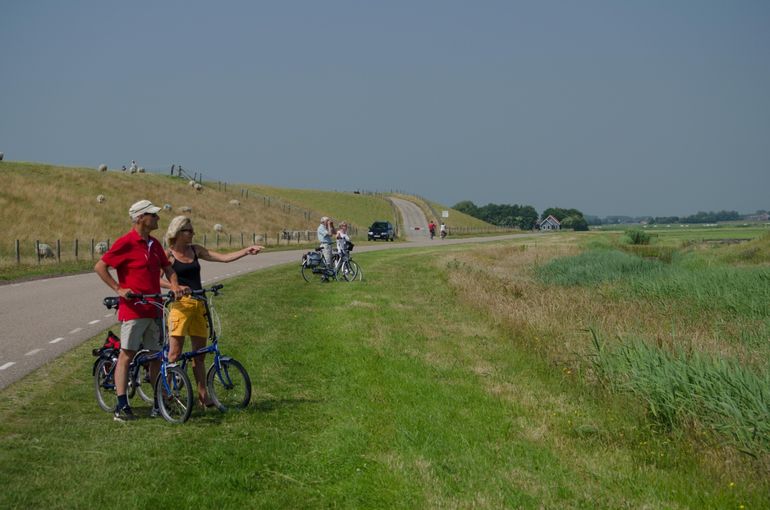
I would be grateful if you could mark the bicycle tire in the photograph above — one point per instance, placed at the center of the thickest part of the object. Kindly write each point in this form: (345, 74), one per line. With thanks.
(349, 270)
(307, 273)
(359, 271)
(230, 387)
(104, 384)
(175, 405)
(142, 384)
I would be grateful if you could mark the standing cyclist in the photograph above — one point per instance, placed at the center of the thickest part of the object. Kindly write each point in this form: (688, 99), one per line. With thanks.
(325, 233)
(138, 258)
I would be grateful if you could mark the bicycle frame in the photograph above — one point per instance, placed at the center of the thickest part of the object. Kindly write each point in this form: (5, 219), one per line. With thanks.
(213, 339)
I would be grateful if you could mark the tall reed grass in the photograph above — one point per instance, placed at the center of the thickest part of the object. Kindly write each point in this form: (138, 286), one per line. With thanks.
(594, 267)
(682, 388)
(743, 291)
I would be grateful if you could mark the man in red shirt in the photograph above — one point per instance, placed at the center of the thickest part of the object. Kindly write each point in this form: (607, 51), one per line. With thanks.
(138, 258)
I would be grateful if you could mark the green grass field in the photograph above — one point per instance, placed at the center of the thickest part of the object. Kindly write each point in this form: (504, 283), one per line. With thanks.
(394, 392)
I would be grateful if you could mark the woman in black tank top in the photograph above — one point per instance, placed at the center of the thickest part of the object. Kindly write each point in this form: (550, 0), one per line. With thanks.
(187, 314)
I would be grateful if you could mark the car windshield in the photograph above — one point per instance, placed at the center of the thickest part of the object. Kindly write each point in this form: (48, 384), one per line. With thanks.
(380, 225)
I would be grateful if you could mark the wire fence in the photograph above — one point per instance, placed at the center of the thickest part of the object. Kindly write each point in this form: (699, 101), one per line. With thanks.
(25, 252)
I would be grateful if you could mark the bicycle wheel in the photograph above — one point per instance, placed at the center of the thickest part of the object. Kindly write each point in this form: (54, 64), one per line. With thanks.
(104, 384)
(349, 270)
(142, 384)
(307, 273)
(175, 395)
(229, 387)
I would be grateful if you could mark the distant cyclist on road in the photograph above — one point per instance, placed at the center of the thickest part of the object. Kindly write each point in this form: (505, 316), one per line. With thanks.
(442, 230)
(138, 258)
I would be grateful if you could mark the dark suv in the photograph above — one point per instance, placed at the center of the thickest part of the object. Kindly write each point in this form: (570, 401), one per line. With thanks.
(381, 230)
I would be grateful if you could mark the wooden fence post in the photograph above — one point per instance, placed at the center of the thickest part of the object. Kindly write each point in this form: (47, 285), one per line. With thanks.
(37, 251)
(18, 252)
(76, 250)
(58, 251)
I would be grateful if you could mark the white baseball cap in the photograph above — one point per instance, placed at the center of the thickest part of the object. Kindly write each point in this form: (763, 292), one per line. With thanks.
(142, 207)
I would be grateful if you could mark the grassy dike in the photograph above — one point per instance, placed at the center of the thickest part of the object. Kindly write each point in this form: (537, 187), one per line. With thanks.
(387, 393)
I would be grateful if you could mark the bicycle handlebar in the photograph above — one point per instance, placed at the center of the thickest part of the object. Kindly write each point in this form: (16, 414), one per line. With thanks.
(214, 289)
(144, 297)
(113, 301)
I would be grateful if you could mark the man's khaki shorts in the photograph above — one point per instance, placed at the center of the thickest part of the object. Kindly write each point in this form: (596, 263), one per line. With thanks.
(138, 333)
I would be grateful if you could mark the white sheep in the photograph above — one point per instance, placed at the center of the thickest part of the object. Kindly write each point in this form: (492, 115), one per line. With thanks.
(185, 209)
(235, 202)
(100, 199)
(198, 187)
(192, 183)
(102, 167)
(218, 227)
(101, 247)
(44, 251)
(141, 170)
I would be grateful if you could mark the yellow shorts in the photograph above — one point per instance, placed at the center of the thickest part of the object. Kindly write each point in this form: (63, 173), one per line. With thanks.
(188, 317)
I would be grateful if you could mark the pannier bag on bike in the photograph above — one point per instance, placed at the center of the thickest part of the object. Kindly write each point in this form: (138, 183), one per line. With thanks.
(111, 342)
(312, 259)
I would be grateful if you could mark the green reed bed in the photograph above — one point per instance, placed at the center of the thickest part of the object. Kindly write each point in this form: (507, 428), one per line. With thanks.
(596, 266)
(743, 291)
(682, 389)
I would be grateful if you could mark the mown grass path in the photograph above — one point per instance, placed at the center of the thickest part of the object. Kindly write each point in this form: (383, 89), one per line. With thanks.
(378, 394)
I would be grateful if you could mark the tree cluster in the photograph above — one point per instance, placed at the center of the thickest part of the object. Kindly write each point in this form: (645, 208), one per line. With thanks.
(700, 217)
(503, 215)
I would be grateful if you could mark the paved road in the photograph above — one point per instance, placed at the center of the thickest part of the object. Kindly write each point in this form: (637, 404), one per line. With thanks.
(42, 319)
(415, 223)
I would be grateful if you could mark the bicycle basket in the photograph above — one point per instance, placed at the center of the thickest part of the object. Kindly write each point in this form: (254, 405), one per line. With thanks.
(312, 259)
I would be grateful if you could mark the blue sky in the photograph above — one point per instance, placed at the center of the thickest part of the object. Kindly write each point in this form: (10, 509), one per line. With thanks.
(632, 107)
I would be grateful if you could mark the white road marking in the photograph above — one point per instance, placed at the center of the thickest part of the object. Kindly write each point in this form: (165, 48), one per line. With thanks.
(7, 365)
(95, 322)
(33, 352)
(108, 315)
(76, 330)
(56, 340)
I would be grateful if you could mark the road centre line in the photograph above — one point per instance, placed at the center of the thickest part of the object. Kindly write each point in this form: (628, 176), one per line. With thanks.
(7, 365)
(56, 340)
(76, 330)
(94, 322)
(33, 352)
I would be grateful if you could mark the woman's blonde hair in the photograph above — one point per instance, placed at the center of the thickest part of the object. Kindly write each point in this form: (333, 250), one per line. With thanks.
(177, 224)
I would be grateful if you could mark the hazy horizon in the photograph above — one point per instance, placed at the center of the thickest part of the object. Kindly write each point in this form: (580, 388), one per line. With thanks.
(635, 108)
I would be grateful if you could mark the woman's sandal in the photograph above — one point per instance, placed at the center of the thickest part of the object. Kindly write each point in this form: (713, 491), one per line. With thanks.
(207, 405)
